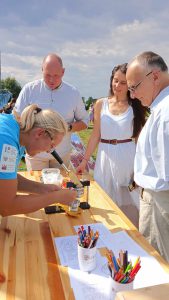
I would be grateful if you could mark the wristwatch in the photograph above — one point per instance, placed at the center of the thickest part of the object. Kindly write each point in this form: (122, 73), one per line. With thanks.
(70, 127)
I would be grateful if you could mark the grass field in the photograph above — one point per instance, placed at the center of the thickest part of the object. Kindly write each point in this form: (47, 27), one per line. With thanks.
(84, 135)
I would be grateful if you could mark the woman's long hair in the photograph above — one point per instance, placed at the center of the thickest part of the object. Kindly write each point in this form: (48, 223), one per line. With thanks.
(139, 111)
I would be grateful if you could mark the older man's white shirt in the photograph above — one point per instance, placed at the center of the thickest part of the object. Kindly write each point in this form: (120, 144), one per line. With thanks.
(151, 167)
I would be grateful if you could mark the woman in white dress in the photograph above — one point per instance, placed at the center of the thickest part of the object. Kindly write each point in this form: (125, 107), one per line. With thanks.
(118, 121)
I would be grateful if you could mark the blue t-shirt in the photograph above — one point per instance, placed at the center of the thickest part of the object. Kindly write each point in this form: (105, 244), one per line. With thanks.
(10, 149)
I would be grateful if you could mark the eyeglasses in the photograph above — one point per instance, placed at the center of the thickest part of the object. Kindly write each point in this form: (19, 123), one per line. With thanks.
(48, 133)
(132, 89)
(52, 141)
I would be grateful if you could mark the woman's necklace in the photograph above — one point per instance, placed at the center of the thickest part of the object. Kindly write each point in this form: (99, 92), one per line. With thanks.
(116, 101)
(117, 107)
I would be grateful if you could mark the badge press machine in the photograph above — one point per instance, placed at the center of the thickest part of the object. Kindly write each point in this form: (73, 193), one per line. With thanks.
(81, 186)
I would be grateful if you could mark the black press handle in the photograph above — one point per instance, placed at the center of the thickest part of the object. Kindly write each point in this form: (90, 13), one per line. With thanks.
(57, 157)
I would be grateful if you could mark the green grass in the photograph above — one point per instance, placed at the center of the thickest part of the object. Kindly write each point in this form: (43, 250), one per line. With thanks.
(84, 135)
(22, 166)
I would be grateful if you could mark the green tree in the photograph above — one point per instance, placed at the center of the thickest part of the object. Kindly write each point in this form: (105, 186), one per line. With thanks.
(89, 101)
(12, 85)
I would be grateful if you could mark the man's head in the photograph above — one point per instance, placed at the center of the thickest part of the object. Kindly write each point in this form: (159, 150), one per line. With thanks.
(53, 71)
(147, 75)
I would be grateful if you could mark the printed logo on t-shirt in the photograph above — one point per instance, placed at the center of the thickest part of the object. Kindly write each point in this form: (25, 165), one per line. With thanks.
(8, 159)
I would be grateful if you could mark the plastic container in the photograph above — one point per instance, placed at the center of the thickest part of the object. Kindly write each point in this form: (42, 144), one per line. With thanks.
(117, 286)
(52, 176)
(87, 258)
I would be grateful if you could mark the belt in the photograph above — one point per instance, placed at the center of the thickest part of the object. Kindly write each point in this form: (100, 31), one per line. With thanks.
(115, 142)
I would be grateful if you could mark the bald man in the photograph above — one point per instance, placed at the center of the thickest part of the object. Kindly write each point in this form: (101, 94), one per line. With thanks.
(148, 80)
(54, 93)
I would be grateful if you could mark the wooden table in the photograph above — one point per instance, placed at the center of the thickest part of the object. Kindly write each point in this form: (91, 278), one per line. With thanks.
(155, 292)
(28, 258)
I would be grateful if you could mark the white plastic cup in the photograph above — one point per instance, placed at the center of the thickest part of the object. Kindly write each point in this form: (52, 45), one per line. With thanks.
(118, 287)
(87, 258)
(52, 176)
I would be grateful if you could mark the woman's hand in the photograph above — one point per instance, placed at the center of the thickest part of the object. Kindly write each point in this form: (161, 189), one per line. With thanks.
(67, 196)
(81, 168)
(47, 188)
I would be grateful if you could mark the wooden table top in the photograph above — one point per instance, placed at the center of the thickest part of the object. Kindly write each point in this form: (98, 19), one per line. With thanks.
(155, 292)
(29, 262)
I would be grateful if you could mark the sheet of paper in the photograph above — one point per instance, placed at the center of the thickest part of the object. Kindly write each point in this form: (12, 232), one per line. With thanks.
(104, 233)
(67, 250)
(94, 285)
(91, 287)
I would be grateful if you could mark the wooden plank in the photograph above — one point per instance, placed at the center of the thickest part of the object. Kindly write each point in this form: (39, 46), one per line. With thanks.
(29, 261)
(53, 276)
(149, 293)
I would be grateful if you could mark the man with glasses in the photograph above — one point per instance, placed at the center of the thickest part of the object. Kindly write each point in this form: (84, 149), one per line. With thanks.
(148, 80)
(132, 89)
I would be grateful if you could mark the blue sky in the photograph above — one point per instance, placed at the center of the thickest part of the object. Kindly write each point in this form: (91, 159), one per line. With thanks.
(91, 36)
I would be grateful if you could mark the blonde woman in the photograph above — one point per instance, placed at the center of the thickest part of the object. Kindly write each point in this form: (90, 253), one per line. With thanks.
(35, 131)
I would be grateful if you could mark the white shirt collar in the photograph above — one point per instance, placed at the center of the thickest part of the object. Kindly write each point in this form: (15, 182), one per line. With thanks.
(159, 98)
(57, 88)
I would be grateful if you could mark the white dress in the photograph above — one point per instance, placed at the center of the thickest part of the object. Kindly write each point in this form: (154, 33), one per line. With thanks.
(115, 163)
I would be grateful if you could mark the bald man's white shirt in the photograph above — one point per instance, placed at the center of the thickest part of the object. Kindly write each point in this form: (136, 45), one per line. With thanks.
(66, 100)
